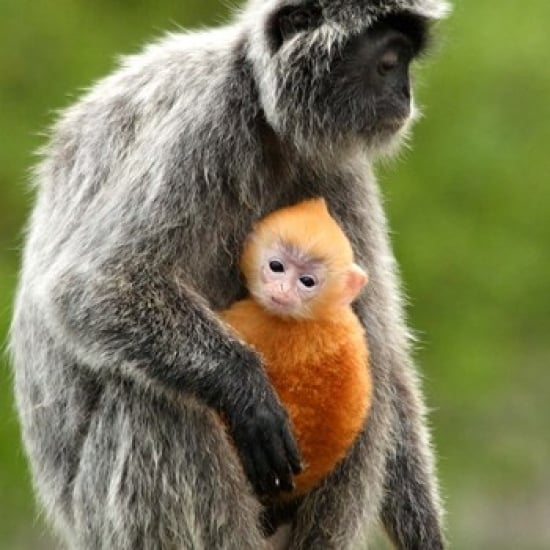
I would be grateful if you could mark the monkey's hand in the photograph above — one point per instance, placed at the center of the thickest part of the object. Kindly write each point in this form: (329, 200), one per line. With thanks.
(161, 332)
(261, 431)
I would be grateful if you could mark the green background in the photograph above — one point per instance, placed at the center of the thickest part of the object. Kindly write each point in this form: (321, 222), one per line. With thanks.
(468, 204)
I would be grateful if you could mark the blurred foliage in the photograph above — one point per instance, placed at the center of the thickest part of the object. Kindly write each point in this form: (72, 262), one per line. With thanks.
(468, 204)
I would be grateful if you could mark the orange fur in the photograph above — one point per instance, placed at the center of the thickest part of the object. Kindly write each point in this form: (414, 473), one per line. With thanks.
(319, 365)
(318, 368)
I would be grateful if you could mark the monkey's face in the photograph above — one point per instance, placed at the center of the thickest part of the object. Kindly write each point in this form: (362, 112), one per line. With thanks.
(337, 76)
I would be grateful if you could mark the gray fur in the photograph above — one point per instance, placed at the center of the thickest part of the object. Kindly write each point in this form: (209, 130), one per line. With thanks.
(145, 193)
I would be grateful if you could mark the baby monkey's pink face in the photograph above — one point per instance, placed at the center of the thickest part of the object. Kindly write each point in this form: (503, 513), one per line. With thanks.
(289, 281)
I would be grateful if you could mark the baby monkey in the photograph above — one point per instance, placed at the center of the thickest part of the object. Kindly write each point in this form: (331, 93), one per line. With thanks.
(302, 279)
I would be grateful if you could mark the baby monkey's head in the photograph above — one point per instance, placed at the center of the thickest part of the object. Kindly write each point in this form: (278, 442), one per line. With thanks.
(299, 264)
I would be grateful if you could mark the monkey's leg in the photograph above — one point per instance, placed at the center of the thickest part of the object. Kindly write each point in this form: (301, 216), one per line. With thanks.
(411, 510)
(156, 476)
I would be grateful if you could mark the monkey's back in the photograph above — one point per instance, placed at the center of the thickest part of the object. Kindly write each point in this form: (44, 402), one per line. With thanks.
(319, 369)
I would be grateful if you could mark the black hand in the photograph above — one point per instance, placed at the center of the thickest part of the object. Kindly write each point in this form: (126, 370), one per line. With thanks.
(268, 450)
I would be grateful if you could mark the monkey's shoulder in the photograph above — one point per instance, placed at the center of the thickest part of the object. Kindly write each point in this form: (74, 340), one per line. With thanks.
(179, 73)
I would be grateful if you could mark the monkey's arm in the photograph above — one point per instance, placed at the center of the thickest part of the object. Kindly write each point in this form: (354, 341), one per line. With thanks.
(142, 323)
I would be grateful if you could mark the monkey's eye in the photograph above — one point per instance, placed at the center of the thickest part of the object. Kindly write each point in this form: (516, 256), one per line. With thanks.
(276, 266)
(388, 62)
(308, 281)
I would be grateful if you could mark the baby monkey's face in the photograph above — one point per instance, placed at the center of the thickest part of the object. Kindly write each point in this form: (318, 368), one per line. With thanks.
(289, 281)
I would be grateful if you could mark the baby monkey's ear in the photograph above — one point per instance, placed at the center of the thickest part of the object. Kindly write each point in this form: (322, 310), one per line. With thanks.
(354, 280)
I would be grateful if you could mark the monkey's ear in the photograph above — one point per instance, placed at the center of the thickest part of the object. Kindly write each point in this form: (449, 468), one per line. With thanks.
(354, 280)
(291, 20)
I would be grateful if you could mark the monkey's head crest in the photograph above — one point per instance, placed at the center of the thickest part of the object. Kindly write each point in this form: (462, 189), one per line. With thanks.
(334, 73)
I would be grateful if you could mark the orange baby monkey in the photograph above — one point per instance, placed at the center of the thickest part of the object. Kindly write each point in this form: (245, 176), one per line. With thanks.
(299, 269)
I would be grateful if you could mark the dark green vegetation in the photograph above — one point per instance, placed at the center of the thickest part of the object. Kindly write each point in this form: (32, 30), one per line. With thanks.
(469, 205)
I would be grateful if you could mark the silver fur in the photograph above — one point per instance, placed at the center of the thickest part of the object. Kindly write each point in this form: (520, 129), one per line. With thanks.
(144, 195)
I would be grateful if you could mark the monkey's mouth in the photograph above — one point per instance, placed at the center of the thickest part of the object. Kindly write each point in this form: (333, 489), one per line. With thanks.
(281, 305)
(384, 128)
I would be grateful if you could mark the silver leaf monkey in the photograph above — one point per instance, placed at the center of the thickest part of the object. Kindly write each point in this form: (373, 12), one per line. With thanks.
(145, 192)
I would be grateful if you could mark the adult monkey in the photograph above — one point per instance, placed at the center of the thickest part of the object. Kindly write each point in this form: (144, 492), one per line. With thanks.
(146, 191)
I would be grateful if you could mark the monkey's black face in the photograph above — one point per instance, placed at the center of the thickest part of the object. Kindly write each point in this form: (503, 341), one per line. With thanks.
(333, 84)
(375, 77)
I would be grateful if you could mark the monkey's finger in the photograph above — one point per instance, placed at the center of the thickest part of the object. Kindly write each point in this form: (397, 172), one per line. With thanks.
(264, 473)
(292, 452)
(277, 457)
(251, 472)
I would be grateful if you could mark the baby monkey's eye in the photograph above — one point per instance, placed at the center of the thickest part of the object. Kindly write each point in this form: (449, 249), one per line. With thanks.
(276, 266)
(308, 281)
